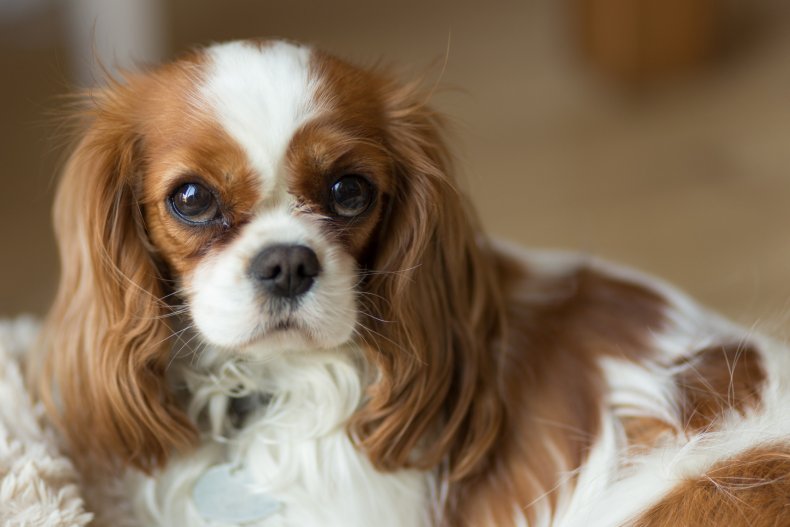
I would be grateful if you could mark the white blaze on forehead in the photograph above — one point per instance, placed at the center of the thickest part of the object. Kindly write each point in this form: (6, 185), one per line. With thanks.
(261, 95)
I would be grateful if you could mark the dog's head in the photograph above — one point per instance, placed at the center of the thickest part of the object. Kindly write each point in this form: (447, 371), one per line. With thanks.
(274, 199)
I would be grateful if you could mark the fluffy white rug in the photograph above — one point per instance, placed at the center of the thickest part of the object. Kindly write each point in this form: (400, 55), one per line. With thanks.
(38, 485)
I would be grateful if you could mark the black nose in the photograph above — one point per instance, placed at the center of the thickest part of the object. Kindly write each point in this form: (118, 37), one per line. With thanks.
(285, 270)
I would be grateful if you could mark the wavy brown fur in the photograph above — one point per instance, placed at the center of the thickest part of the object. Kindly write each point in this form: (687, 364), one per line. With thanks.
(105, 339)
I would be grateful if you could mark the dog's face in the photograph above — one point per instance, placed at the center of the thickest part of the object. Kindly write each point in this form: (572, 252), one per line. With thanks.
(274, 199)
(268, 170)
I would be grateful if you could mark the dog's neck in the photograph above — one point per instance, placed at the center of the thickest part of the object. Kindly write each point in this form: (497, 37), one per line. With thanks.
(291, 439)
(307, 393)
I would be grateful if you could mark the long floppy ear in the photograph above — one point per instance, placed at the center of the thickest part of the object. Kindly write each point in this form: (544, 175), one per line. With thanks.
(436, 312)
(105, 338)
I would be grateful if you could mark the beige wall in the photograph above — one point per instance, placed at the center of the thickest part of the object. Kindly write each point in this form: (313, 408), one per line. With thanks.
(688, 179)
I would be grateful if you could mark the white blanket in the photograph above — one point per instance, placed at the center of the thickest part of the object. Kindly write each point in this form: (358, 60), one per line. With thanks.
(38, 484)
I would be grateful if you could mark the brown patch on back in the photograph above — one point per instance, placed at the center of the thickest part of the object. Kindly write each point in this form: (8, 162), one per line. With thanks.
(716, 380)
(559, 327)
(750, 490)
(712, 382)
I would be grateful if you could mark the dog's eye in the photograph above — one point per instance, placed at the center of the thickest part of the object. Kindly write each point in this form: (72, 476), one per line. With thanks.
(351, 195)
(194, 203)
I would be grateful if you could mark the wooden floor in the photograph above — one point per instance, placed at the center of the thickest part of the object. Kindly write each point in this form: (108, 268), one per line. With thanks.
(689, 181)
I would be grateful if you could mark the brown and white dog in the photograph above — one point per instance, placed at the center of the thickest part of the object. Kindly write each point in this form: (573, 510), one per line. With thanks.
(268, 266)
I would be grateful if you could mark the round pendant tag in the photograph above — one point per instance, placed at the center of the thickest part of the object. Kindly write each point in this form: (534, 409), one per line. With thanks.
(225, 493)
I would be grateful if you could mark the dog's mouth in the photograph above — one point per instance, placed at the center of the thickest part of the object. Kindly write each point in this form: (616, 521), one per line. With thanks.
(275, 331)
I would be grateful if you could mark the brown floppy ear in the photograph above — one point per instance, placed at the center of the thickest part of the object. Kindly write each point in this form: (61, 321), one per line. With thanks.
(435, 312)
(105, 339)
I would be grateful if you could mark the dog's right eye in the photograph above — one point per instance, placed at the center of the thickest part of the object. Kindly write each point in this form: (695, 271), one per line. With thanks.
(195, 203)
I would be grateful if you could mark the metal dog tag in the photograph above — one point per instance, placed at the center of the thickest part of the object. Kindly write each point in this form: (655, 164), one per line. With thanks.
(225, 493)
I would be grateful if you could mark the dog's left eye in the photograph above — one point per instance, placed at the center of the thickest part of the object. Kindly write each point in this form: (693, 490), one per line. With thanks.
(194, 203)
(351, 195)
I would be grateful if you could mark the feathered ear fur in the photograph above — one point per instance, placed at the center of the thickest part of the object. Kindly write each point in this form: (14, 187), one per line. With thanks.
(105, 338)
(436, 313)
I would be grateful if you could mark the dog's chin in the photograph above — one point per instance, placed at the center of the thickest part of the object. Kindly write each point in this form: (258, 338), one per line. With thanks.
(281, 337)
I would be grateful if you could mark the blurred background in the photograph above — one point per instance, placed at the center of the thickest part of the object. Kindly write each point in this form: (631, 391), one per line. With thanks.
(651, 132)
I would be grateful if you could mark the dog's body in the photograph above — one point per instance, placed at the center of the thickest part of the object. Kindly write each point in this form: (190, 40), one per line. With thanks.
(407, 371)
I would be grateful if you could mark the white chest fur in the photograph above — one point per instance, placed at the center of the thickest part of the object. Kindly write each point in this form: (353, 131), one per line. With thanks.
(295, 448)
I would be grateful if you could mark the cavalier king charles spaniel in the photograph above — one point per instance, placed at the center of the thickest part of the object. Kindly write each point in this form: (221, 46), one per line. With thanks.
(277, 309)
